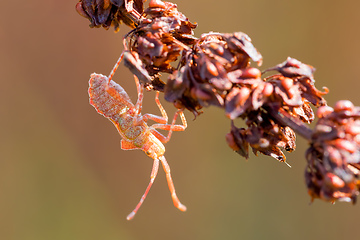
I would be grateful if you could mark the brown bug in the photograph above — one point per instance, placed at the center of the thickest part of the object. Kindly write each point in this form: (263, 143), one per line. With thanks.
(110, 100)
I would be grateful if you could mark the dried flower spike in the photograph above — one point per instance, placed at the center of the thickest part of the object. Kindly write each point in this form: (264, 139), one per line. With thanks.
(216, 70)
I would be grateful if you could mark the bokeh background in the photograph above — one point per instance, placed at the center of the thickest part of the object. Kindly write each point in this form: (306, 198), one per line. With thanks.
(64, 176)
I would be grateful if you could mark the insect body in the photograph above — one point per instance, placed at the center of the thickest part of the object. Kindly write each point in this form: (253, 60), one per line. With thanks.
(111, 100)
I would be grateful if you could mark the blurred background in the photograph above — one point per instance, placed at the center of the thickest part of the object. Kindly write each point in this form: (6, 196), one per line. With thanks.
(64, 176)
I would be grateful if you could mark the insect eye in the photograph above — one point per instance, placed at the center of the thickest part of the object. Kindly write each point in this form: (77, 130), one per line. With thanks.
(148, 153)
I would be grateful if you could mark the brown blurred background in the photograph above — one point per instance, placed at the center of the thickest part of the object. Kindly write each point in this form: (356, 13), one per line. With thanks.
(64, 176)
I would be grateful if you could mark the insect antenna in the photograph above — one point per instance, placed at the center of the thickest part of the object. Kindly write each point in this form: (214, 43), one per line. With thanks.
(154, 172)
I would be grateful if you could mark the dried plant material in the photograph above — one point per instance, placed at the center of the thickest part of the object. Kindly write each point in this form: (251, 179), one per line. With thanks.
(258, 101)
(215, 70)
(106, 13)
(294, 68)
(160, 37)
(222, 70)
(264, 134)
(333, 158)
(207, 70)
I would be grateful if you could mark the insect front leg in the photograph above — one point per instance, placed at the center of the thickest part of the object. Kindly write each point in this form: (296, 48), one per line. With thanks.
(140, 91)
(112, 73)
(115, 90)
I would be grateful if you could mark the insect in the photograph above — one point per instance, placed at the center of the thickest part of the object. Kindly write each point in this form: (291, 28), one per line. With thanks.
(110, 100)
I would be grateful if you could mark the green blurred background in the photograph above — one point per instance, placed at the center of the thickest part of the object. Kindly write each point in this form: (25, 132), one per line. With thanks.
(64, 176)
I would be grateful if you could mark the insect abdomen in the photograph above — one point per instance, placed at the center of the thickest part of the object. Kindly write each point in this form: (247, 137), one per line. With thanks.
(103, 102)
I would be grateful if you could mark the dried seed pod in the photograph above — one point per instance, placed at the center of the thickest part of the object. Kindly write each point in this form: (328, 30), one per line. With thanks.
(239, 41)
(264, 135)
(237, 102)
(160, 37)
(294, 68)
(264, 99)
(343, 105)
(236, 139)
(157, 4)
(106, 13)
(213, 64)
(334, 155)
(324, 111)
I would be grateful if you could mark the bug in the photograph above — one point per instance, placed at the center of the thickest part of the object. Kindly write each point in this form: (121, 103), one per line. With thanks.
(110, 100)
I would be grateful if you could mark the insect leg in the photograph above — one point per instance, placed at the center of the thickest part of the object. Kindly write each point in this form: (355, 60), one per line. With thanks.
(140, 91)
(169, 127)
(159, 119)
(115, 67)
(114, 89)
(162, 110)
(175, 199)
(154, 172)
